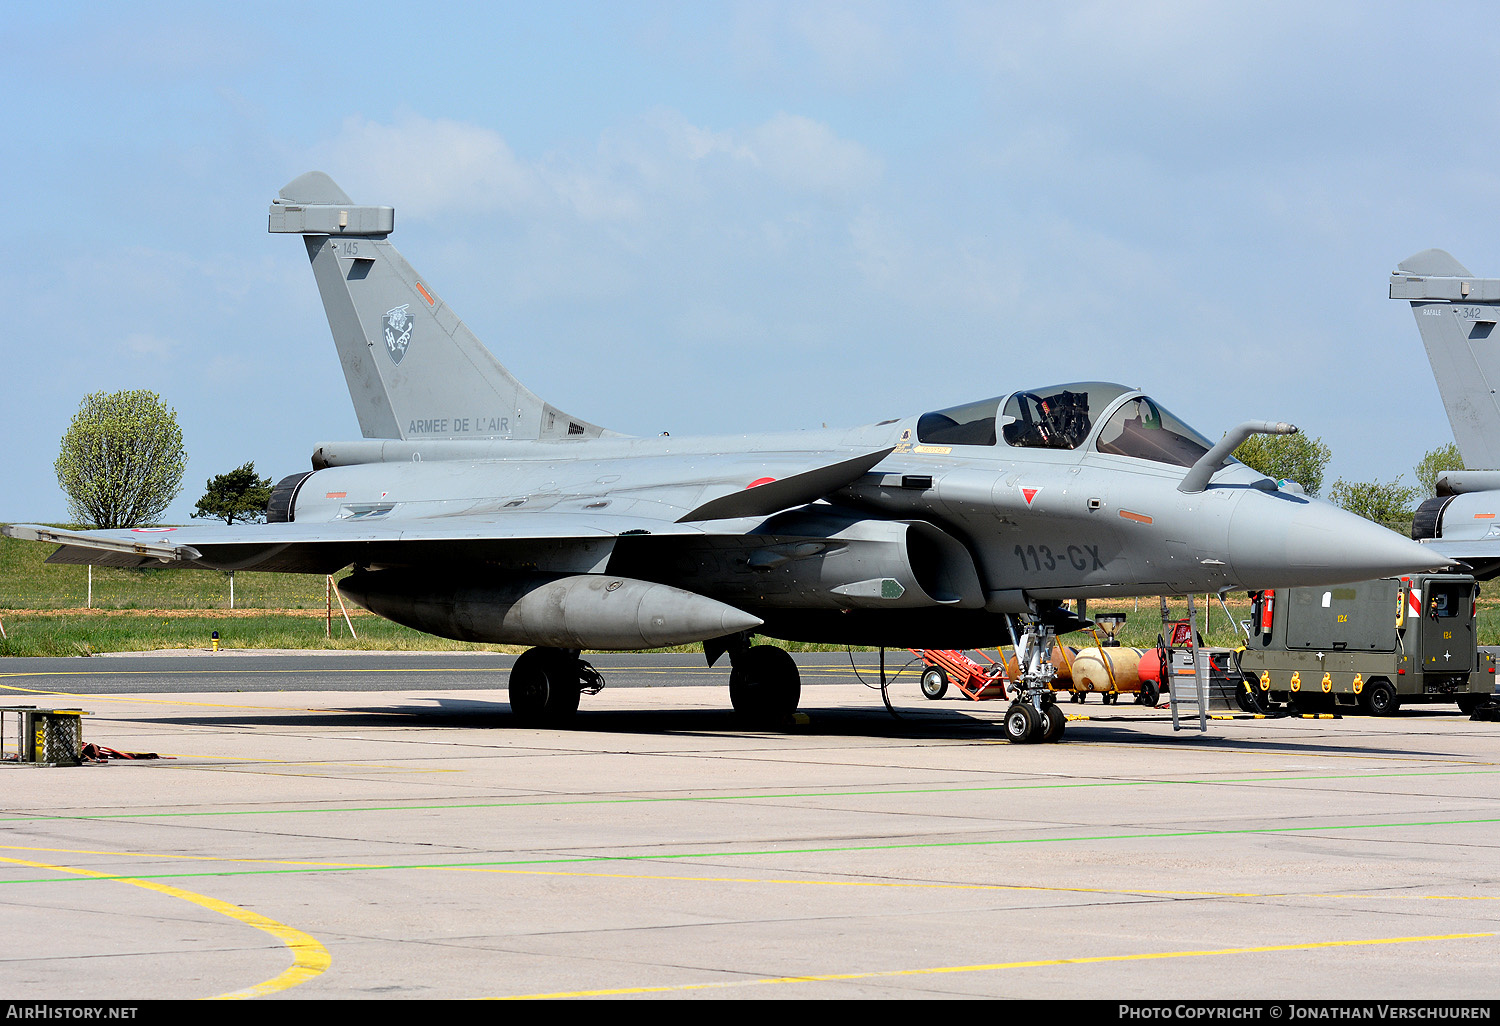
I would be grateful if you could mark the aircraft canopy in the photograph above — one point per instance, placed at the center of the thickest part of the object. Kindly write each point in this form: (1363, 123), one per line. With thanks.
(1064, 417)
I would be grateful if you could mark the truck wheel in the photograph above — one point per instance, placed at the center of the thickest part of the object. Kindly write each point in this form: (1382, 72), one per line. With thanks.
(1380, 698)
(1248, 698)
(934, 682)
(1468, 703)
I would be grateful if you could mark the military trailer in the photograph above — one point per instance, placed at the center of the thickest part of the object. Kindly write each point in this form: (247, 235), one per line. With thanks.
(1372, 646)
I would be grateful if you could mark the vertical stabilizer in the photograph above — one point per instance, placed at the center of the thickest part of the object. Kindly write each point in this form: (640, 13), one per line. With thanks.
(1456, 315)
(414, 370)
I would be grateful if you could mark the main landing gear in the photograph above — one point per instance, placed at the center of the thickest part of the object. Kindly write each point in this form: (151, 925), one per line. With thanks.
(545, 685)
(764, 685)
(1034, 716)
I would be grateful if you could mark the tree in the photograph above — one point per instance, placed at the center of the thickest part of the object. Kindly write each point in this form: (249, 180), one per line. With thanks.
(121, 460)
(238, 494)
(1385, 503)
(1434, 464)
(1287, 457)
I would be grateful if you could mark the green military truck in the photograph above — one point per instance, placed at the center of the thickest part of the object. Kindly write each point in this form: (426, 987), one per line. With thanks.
(1372, 646)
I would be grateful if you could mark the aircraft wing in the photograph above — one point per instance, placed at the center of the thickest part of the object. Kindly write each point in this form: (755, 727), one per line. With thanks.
(570, 542)
(567, 536)
(1480, 555)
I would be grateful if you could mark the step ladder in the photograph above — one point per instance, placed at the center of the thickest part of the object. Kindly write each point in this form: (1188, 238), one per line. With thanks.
(1185, 699)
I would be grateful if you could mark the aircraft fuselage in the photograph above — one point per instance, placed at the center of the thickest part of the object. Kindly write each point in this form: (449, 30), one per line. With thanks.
(934, 545)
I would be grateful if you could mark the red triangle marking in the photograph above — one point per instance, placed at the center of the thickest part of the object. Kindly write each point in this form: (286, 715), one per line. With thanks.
(1030, 494)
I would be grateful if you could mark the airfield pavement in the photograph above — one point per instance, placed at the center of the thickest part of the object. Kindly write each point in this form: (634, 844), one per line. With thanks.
(372, 826)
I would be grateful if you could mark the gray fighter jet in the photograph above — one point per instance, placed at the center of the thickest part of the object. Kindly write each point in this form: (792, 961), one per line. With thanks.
(472, 509)
(1456, 315)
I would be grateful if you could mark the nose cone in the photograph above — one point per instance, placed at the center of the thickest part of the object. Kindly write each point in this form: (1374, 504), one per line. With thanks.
(1277, 540)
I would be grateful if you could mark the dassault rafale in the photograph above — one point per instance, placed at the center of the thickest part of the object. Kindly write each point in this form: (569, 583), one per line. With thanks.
(473, 509)
(1456, 314)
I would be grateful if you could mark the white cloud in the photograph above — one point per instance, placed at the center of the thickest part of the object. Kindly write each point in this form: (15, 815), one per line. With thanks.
(806, 155)
(426, 166)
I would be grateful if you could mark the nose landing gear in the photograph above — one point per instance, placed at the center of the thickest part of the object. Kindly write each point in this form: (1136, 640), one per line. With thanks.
(1034, 716)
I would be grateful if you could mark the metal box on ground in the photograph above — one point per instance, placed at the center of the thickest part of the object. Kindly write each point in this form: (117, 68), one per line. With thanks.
(42, 737)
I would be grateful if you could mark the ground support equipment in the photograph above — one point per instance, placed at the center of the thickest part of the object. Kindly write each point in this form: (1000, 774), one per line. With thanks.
(941, 667)
(43, 737)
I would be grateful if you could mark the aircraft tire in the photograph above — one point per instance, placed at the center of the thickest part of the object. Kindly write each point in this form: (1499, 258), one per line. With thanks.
(1022, 724)
(1055, 722)
(544, 687)
(1380, 698)
(934, 682)
(764, 685)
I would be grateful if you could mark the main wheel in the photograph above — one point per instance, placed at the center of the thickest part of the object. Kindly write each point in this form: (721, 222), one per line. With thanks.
(1023, 724)
(764, 685)
(1380, 698)
(544, 686)
(934, 682)
(1055, 722)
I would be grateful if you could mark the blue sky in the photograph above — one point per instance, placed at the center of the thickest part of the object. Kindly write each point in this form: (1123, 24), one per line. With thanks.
(723, 217)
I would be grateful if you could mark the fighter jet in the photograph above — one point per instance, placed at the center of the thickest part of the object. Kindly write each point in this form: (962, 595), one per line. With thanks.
(1456, 314)
(472, 509)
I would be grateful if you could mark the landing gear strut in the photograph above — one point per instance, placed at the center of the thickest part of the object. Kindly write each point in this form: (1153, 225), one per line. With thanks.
(545, 685)
(1034, 716)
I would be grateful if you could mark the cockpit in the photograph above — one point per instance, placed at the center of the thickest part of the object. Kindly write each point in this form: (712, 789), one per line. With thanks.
(1064, 417)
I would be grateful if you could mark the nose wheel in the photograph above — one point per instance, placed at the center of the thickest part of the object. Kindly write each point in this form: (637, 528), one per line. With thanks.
(1035, 715)
(1026, 724)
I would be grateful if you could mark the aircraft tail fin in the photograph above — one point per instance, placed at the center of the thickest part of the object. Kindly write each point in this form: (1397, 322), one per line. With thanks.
(1456, 316)
(414, 369)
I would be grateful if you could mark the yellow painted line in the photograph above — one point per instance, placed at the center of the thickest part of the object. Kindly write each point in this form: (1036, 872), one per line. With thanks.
(309, 958)
(995, 966)
(659, 877)
(184, 858)
(772, 881)
(133, 699)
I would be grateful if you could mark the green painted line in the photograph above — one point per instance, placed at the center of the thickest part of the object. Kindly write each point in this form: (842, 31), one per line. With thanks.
(773, 852)
(525, 804)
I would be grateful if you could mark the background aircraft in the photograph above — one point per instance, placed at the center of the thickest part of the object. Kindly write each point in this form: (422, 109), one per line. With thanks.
(1456, 315)
(473, 509)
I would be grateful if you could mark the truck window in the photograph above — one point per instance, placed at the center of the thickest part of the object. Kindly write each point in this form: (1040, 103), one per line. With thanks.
(1443, 601)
